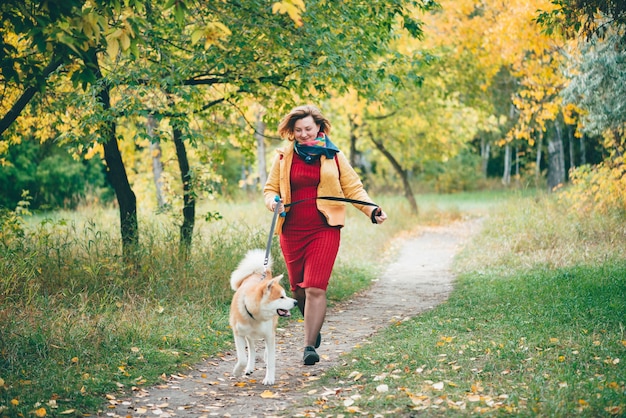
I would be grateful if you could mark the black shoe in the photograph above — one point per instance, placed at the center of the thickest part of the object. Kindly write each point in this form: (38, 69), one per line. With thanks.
(310, 355)
(318, 341)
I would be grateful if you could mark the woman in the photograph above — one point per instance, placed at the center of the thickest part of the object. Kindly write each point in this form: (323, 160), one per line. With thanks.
(309, 167)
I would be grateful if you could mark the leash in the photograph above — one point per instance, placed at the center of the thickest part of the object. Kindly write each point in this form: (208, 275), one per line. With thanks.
(275, 217)
(334, 198)
(269, 239)
(375, 212)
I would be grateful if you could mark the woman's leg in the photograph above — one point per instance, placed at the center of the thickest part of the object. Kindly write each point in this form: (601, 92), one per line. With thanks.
(314, 314)
(300, 295)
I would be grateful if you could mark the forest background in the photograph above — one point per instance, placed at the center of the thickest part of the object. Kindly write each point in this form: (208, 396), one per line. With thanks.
(162, 109)
(179, 101)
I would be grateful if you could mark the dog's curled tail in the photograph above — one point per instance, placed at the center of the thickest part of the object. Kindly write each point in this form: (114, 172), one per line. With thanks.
(251, 263)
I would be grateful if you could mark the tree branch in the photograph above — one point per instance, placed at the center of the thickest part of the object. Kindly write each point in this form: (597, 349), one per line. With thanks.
(27, 95)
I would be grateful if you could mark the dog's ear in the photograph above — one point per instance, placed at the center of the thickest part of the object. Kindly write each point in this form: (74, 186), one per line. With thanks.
(274, 280)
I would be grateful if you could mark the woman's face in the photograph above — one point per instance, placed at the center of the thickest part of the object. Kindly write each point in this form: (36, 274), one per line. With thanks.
(305, 129)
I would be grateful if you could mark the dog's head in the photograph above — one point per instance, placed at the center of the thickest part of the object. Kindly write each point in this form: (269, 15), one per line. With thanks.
(276, 298)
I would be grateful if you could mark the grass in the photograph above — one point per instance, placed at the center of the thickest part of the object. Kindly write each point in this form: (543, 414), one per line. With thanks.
(534, 327)
(77, 324)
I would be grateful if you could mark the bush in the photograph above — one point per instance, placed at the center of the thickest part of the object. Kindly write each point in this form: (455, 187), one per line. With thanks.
(52, 177)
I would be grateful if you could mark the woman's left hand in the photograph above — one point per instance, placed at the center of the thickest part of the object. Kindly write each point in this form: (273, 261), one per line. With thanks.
(379, 216)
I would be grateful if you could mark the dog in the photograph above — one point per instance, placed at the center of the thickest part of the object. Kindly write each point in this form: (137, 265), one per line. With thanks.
(258, 301)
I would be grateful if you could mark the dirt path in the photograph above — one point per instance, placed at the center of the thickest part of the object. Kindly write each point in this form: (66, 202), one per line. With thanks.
(418, 279)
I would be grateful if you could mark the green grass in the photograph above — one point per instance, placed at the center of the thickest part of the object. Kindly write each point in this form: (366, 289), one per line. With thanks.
(78, 324)
(534, 327)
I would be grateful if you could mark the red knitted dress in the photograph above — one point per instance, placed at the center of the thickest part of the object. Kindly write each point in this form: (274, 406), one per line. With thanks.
(308, 243)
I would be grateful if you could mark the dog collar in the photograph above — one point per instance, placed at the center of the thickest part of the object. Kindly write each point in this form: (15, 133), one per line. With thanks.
(246, 308)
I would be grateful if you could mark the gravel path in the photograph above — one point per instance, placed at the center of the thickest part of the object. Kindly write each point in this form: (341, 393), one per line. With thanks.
(418, 279)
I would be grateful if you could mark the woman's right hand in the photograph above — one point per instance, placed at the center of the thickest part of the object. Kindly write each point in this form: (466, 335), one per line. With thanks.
(281, 209)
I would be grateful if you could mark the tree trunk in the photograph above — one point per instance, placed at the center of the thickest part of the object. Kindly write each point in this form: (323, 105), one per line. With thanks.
(556, 165)
(485, 150)
(259, 135)
(559, 134)
(116, 172)
(189, 200)
(408, 192)
(538, 158)
(506, 176)
(572, 157)
(353, 138)
(583, 151)
(517, 174)
(157, 164)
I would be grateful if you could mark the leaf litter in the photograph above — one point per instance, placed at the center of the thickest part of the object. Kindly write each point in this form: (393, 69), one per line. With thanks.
(418, 279)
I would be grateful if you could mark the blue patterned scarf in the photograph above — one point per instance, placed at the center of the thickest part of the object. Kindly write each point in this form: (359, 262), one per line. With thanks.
(312, 150)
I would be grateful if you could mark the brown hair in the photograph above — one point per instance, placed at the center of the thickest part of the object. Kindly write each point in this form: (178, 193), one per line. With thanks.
(287, 124)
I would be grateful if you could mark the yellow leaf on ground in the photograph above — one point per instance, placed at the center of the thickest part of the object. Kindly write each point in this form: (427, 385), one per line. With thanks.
(267, 394)
(41, 412)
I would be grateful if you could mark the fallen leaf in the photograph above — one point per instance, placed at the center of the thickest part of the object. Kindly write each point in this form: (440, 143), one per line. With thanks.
(438, 386)
(269, 394)
(41, 412)
(382, 388)
(614, 410)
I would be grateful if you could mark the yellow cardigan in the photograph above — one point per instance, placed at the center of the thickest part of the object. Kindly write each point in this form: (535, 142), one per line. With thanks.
(342, 182)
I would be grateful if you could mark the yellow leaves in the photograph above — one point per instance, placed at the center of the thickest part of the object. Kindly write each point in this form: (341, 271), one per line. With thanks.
(119, 39)
(444, 340)
(293, 8)
(268, 394)
(212, 34)
(41, 412)
(15, 402)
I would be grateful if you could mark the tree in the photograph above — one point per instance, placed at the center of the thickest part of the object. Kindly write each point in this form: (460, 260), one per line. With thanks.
(589, 18)
(179, 61)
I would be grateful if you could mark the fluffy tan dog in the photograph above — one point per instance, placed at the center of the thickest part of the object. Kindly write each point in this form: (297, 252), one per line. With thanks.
(257, 303)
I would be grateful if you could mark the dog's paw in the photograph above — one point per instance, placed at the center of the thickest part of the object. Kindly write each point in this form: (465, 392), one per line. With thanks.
(249, 372)
(268, 381)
